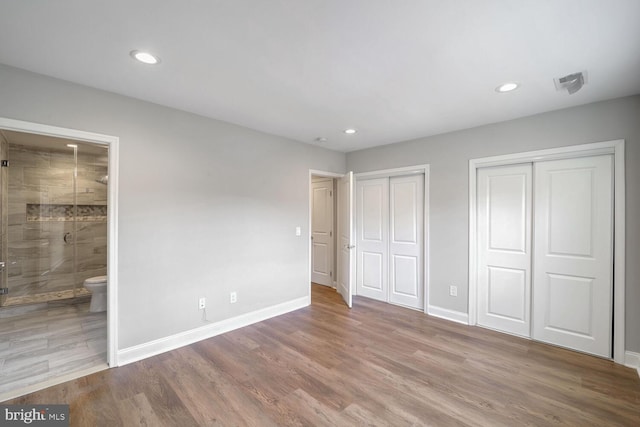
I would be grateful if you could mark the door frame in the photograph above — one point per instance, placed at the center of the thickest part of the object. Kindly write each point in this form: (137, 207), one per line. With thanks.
(614, 147)
(402, 171)
(324, 174)
(112, 213)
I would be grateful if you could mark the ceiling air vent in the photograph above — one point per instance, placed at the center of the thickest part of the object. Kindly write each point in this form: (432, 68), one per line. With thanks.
(572, 82)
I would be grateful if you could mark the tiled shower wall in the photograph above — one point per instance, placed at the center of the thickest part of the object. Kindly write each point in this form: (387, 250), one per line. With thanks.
(40, 191)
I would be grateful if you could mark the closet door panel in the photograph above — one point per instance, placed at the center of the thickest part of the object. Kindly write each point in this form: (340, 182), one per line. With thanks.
(372, 222)
(504, 207)
(406, 205)
(572, 294)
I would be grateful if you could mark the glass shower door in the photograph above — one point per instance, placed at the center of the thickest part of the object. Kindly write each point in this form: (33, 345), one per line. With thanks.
(39, 208)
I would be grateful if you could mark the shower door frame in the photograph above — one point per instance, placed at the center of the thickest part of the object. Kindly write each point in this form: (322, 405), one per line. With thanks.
(112, 143)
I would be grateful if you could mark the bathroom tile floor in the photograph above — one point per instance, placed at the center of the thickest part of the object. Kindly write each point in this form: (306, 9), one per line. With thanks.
(59, 339)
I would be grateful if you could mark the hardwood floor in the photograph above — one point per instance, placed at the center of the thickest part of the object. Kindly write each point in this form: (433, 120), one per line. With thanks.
(376, 364)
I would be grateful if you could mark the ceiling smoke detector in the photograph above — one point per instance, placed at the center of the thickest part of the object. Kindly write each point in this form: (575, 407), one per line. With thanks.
(572, 82)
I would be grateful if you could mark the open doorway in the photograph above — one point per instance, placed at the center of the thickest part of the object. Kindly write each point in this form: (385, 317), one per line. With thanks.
(323, 222)
(331, 242)
(57, 242)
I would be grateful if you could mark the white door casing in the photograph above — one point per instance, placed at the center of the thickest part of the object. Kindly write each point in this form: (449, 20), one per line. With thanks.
(322, 232)
(372, 205)
(345, 234)
(504, 211)
(406, 241)
(572, 288)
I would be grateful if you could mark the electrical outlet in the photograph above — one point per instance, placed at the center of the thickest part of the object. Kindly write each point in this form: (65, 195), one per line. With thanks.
(453, 291)
(233, 297)
(202, 302)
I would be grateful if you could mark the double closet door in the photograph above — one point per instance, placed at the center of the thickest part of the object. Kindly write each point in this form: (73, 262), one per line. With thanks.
(545, 251)
(390, 240)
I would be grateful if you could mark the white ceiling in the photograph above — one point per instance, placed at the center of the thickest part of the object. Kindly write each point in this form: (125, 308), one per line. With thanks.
(393, 69)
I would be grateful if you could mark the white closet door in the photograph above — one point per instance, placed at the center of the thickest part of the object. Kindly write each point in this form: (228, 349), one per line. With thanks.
(322, 232)
(504, 248)
(372, 219)
(572, 295)
(406, 206)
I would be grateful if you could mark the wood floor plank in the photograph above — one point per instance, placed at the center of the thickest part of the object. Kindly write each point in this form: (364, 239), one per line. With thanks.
(375, 364)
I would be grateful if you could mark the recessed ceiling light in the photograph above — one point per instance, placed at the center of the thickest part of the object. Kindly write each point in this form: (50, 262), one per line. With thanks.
(350, 131)
(507, 87)
(144, 57)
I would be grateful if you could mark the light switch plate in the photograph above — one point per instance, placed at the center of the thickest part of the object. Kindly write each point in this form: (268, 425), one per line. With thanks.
(298, 231)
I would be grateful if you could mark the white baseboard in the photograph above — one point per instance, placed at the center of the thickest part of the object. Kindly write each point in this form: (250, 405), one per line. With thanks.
(632, 360)
(445, 313)
(152, 348)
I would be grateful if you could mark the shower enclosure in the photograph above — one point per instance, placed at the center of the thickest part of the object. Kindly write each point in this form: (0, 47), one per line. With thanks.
(53, 217)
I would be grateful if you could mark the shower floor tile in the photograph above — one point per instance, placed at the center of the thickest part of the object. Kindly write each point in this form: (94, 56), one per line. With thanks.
(41, 345)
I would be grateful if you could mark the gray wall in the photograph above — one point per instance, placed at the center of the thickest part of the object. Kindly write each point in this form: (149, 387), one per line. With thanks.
(449, 154)
(193, 219)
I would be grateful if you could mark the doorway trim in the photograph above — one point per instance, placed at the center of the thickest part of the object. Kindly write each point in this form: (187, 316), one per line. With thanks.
(402, 171)
(112, 213)
(615, 147)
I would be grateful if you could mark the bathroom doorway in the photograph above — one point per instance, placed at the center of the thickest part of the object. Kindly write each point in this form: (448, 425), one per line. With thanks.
(56, 231)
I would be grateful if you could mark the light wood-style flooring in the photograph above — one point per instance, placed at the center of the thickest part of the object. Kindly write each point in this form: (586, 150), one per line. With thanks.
(60, 338)
(376, 364)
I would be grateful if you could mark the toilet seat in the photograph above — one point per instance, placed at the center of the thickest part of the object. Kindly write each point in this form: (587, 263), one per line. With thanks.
(95, 280)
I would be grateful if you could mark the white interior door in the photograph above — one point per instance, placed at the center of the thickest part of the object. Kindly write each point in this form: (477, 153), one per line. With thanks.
(572, 296)
(322, 232)
(406, 231)
(504, 209)
(372, 220)
(345, 234)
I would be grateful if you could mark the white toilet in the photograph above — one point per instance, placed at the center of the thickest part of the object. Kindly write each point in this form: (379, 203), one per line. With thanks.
(98, 288)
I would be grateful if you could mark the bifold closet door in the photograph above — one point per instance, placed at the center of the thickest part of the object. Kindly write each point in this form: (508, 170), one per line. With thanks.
(573, 258)
(504, 210)
(372, 222)
(406, 231)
